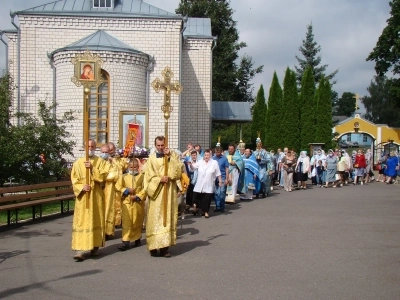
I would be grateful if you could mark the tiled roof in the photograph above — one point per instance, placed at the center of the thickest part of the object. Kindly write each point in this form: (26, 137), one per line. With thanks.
(122, 8)
(228, 111)
(100, 41)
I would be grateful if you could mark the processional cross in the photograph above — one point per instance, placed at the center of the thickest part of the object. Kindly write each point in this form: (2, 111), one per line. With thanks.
(166, 108)
(356, 97)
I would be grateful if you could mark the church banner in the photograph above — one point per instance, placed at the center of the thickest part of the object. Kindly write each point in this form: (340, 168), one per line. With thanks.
(133, 128)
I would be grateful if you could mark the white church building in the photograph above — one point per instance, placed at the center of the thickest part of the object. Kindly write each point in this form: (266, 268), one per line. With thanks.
(135, 41)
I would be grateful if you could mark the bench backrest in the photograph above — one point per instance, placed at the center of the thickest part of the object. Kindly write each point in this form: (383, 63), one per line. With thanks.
(8, 194)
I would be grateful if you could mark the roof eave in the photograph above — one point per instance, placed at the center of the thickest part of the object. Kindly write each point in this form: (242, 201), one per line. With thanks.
(94, 48)
(204, 37)
(99, 14)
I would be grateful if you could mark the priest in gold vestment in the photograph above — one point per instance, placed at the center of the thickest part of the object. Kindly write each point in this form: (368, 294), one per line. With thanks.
(130, 185)
(158, 236)
(88, 221)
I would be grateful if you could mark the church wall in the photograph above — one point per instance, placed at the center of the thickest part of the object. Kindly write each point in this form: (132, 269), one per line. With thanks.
(123, 70)
(196, 99)
(41, 35)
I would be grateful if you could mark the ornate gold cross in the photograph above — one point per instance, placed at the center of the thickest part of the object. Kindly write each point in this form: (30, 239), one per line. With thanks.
(356, 97)
(166, 108)
(167, 86)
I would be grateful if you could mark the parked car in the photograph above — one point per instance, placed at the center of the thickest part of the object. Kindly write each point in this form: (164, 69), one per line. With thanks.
(347, 144)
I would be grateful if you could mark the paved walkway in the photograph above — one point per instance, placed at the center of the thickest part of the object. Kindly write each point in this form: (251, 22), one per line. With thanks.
(341, 243)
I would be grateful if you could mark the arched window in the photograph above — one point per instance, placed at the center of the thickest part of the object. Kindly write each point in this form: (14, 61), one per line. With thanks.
(99, 102)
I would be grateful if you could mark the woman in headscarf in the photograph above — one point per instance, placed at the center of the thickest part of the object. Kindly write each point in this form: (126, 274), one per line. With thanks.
(392, 165)
(288, 164)
(302, 169)
(368, 169)
(359, 166)
(313, 162)
(331, 168)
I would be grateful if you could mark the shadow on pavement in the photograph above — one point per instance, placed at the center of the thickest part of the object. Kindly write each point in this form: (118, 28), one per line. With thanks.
(7, 255)
(42, 285)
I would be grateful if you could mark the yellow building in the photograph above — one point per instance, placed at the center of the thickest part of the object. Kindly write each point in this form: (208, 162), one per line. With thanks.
(359, 132)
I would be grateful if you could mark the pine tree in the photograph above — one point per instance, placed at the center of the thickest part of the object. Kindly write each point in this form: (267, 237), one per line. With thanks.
(290, 112)
(259, 115)
(273, 136)
(323, 128)
(310, 50)
(307, 110)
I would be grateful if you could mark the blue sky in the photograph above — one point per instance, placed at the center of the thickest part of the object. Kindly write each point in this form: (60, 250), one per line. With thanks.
(346, 30)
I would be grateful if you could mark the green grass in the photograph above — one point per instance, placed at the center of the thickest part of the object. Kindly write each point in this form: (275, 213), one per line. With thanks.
(26, 213)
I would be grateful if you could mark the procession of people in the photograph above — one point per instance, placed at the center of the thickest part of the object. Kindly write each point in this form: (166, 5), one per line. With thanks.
(115, 191)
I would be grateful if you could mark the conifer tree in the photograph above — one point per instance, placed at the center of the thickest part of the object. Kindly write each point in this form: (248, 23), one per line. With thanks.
(307, 110)
(310, 49)
(290, 112)
(323, 128)
(273, 136)
(259, 115)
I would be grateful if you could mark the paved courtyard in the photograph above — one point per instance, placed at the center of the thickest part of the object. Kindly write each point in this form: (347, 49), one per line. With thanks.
(341, 243)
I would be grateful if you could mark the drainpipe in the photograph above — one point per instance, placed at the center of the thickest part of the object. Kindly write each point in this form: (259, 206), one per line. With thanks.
(5, 43)
(148, 70)
(51, 62)
(19, 66)
(211, 78)
(184, 19)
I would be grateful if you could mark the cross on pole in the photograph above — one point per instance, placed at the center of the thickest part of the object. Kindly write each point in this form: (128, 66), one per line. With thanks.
(356, 97)
(166, 108)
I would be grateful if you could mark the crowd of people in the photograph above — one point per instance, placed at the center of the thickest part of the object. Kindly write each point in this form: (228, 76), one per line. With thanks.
(151, 193)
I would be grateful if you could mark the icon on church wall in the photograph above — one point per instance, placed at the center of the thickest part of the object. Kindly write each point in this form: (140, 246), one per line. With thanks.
(133, 128)
(87, 71)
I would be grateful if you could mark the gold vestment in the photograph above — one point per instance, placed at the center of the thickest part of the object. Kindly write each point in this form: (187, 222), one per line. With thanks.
(88, 221)
(132, 211)
(158, 236)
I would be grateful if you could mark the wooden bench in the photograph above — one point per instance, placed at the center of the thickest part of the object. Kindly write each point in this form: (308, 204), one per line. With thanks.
(34, 195)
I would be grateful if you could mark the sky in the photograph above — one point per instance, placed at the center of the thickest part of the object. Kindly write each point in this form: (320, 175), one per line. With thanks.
(346, 30)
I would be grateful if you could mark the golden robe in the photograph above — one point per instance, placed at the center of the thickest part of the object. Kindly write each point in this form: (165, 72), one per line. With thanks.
(158, 236)
(132, 211)
(110, 195)
(88, 222)
(122, 165)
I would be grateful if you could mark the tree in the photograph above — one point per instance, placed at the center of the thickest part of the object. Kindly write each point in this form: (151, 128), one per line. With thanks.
(231, 81)
(323, 126)
(273, 137)
(380, 104)
(310, 49)
(386, 53)
(307, 109)
(259, 115)
(345, 106)
(290, 112)
(32, 151)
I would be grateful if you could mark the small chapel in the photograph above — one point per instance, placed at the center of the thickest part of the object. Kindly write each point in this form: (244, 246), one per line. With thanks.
(135, 42)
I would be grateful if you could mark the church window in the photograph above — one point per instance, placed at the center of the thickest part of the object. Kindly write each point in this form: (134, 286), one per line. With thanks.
(349, 137)
(103, 3)
(99, 104)
(365, 138)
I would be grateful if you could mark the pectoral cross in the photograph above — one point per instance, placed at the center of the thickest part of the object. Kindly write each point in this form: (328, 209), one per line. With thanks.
(356, 97)
(166, 108)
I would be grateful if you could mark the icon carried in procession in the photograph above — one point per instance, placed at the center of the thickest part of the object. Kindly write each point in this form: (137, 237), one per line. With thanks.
(87, 73)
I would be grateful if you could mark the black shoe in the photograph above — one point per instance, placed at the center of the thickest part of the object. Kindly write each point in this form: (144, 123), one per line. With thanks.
(153, 252)
(108, 237)
(124, 246)
(217, 210)
(164, 252)
(137, 243)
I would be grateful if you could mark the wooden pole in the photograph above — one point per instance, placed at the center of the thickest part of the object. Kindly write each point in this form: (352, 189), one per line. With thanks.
(86, 91)
(165, 192)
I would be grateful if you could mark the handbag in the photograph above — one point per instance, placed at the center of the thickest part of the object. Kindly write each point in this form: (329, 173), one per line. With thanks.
(378, 167)
(337, 176)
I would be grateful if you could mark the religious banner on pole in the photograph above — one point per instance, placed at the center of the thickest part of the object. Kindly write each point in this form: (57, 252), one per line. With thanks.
(87, 73)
